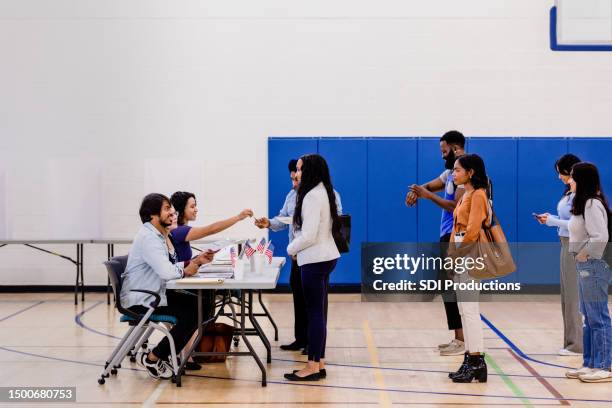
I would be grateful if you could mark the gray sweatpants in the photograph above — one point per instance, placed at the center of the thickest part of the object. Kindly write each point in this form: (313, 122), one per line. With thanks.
(570, 306)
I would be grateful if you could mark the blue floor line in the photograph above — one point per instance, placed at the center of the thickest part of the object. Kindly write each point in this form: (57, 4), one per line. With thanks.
(22, 310)
(515, 348)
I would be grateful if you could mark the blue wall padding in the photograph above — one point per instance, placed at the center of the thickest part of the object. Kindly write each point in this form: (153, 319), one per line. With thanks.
(280, 151)
(429, 166)
(348, 157)
(372, 176)
(391, 164)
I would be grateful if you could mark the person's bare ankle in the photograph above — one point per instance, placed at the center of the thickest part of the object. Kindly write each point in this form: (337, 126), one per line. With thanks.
(152, 357)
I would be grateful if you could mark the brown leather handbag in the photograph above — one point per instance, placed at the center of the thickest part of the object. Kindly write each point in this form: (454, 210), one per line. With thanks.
(492, 247)
(217, 338)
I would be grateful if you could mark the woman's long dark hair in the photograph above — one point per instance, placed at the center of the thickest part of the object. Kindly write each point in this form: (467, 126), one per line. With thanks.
(564, 166)
(179, 202)
(315, 171)
(474, 162)
(588, 186)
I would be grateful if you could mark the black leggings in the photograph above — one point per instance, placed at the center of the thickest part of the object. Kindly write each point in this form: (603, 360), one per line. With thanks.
(184, 307)
(315, 283)
(453, 318)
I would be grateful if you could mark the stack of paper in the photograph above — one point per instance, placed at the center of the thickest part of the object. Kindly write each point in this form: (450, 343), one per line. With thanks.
(216, 271)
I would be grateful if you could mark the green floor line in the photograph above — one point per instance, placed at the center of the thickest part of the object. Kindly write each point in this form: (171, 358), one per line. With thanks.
(508, 381)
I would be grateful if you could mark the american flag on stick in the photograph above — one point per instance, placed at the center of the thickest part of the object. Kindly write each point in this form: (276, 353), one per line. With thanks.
(249, 250)
(261, 246)
(269, 252)
(233, 256)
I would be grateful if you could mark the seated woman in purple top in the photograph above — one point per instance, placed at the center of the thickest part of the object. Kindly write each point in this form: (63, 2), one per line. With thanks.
(186, 206)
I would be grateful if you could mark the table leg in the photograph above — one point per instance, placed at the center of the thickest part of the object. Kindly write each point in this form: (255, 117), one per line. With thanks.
(76, 283)
(268, 315)
(189, 354)
(244, 336)
(82, 277)
(258, 329)
(108, 284)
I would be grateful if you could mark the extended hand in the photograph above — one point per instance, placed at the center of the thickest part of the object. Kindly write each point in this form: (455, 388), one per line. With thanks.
(411, 199)
(420, 191)
(262, 222)
(542, 218)
(245, 213)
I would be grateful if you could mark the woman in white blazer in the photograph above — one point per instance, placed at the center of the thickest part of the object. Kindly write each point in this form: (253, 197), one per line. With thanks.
(315, 222)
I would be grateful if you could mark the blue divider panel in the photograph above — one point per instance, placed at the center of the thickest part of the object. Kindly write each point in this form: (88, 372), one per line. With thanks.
(392, 166)
(539, 189)
(372, 176)
(430, 166)
(500, 157)
(347, 160)
(280, 151)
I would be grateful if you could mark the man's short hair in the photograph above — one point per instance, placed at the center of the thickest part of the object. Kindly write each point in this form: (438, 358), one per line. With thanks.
(151, 205)
(454, 137)
(292, 165)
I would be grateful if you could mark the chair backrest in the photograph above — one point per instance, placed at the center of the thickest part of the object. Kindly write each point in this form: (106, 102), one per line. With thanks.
(115, 268)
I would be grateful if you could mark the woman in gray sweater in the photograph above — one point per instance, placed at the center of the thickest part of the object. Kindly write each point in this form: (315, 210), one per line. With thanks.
(588, 229)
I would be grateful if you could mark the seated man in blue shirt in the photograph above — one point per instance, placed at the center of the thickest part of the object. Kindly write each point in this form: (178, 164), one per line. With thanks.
(149, 267)
(295, 279)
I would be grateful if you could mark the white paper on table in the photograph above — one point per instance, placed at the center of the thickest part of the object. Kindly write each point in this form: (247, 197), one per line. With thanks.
(212, 281)
(217, 245)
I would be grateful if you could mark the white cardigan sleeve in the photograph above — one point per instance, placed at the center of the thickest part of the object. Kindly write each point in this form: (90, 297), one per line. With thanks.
(311, 216)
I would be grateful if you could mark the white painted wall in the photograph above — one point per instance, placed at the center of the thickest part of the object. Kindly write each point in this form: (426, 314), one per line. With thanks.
(103, 101)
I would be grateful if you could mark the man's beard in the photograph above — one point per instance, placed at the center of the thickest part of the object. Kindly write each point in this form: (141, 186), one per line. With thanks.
(165, 224)
(449, 161)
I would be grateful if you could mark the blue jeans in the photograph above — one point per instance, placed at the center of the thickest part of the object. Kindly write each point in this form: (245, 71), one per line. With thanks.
(593, 280)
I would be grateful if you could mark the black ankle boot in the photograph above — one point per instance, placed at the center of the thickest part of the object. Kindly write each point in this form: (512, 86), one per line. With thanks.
(476, 369)
(463, 366)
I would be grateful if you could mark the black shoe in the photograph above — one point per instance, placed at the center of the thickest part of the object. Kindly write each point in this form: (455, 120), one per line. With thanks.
(322, 373)
(189, 365)
(476, 369)
(310, 377)
(295, 346)
(462, 368)
(305, 351)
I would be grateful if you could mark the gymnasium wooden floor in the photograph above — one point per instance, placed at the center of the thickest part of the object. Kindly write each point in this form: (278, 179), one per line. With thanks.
(378, 354)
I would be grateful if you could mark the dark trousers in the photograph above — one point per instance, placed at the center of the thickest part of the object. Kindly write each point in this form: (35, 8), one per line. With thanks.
(300, 316)
(453, 318)
(315, 283)
(183, 306)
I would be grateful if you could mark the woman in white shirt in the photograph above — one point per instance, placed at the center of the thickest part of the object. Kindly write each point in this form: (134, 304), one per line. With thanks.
(315, 222)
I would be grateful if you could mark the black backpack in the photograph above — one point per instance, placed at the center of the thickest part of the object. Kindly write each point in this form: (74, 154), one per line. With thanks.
(343, 238)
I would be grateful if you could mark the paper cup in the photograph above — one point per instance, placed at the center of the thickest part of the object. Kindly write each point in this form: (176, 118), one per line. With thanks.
(257, 263)
(239, 269)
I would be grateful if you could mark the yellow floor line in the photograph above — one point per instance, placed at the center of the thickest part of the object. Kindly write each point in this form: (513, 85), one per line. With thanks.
(384, 400)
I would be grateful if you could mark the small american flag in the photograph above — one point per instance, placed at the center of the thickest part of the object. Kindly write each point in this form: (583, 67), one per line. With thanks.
(233, 256)
(269, 252)
(261, 245)
(248, 250)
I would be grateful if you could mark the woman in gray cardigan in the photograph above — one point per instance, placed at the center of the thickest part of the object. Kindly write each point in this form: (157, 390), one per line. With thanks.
(572, 319)
(588, 229)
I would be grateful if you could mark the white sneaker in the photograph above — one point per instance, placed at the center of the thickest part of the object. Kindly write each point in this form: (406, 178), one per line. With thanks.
(596, 376)
(577, 372)
(159, 369)
(445, 345)
(567, 353)
(456, 348)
